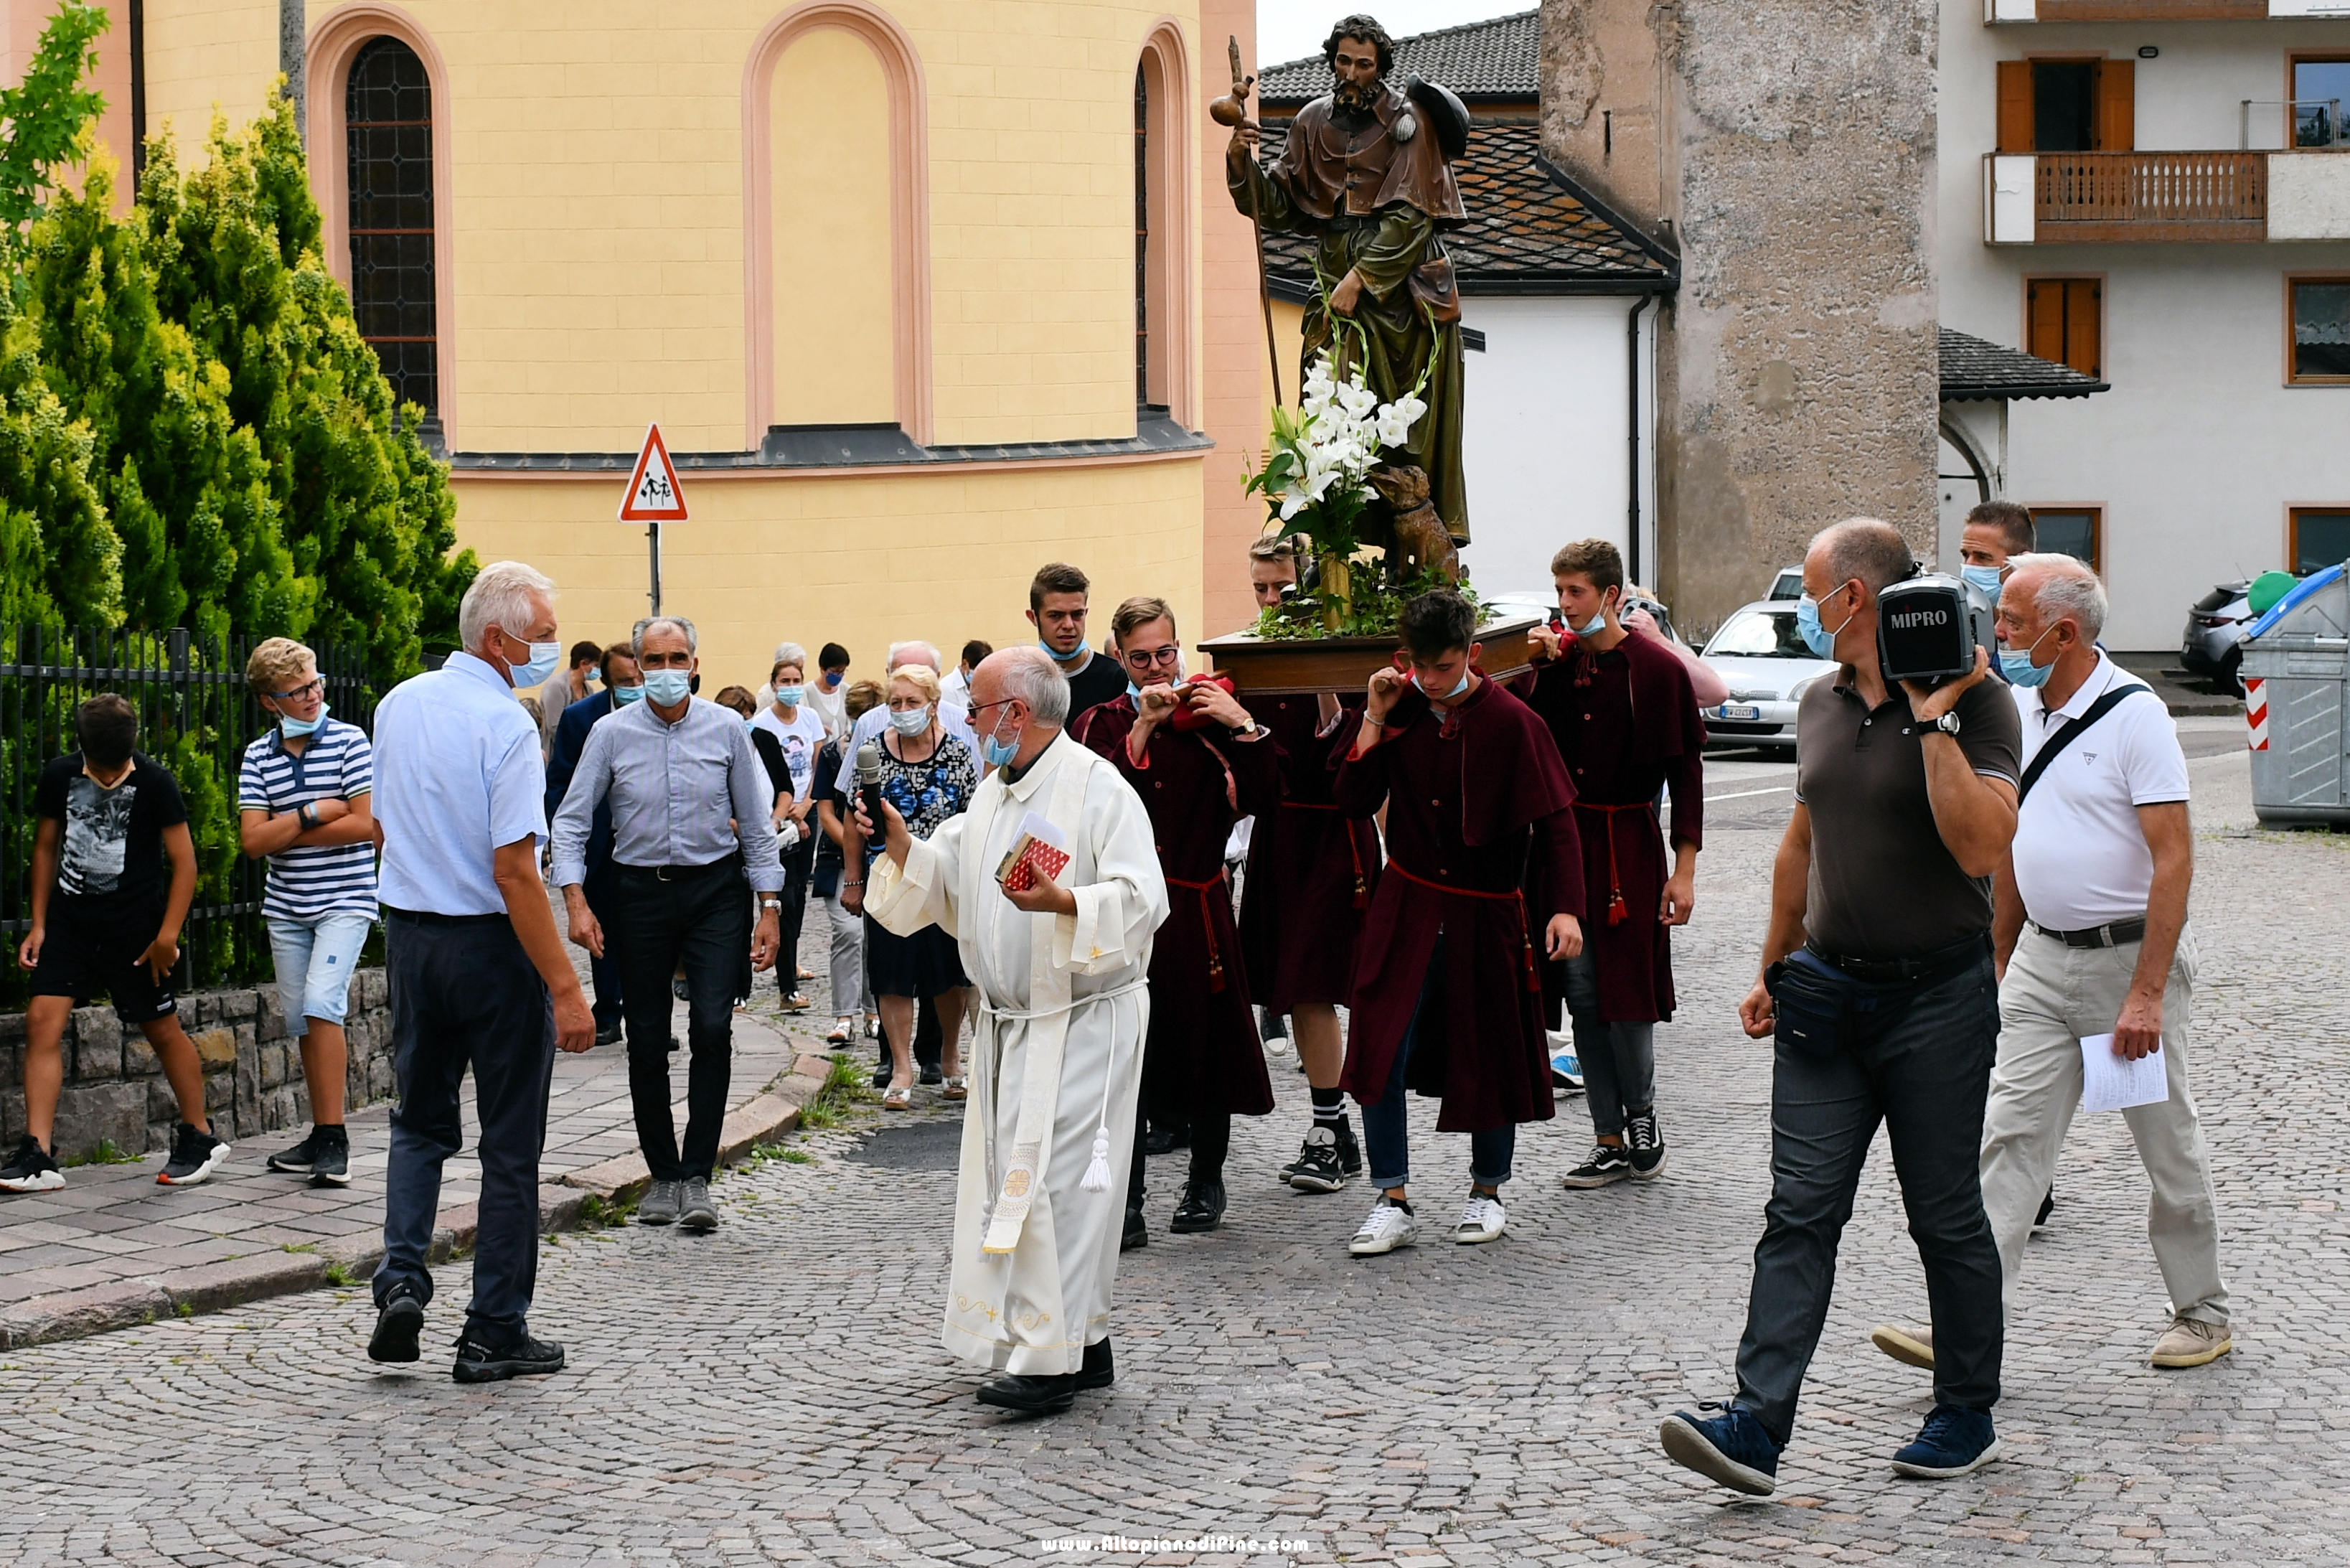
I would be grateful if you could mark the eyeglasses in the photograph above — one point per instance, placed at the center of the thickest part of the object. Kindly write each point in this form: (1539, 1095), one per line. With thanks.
(1141, 658)
(315, 687)
(983, 707)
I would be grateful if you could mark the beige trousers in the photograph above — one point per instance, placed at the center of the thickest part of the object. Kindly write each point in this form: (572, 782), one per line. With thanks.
(2051, 997)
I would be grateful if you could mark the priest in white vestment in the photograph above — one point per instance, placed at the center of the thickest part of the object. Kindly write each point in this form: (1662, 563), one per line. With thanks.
(1055, 1071)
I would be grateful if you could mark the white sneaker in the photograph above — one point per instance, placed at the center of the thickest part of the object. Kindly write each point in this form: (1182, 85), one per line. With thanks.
(1482, 1219)
(1388, 1227)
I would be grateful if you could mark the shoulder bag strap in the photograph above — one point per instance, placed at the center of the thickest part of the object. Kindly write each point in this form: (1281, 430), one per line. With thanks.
(2072, 732)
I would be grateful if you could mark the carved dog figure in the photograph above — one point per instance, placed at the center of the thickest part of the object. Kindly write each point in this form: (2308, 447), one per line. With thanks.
(1417, 540)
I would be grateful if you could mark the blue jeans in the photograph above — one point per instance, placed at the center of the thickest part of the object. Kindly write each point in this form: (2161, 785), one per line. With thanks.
(467, 995)
(1916, 1059)
(316, 960)
(1387, 1137)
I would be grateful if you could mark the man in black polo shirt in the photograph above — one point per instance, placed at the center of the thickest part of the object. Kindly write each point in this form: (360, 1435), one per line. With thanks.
(1885, 1010)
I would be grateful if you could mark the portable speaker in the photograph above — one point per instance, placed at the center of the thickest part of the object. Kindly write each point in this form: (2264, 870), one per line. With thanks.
(1929, 628)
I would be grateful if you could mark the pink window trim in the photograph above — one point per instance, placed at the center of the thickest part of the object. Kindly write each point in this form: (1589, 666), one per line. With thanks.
(1174, 178)
(334, 41)
(909, 210)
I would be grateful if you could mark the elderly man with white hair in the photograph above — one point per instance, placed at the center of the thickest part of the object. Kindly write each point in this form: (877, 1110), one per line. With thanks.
(479, 977)
(1061, 962)
(2092, 945)
(955, 717)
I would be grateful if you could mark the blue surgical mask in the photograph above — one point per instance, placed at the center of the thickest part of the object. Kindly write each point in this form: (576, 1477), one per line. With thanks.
(1448, 696)
(1817, 637)
(999, 753)
(791, 696)
(295, 728)
(668, 687)
(624, 695)
(546, 659)
(1597, 623)
(1985, 577)
(2017, 669)
(1058, 657)
(911, 721)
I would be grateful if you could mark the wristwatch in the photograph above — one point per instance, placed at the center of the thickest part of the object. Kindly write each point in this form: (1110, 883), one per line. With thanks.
(1949, 724)
(771, 903)
(1248, 731)
(302, 814)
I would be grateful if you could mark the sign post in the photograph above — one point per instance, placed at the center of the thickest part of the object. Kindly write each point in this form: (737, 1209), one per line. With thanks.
(654, 497)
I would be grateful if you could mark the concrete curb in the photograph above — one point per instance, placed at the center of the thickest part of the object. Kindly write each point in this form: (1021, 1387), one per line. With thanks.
(563, 1205)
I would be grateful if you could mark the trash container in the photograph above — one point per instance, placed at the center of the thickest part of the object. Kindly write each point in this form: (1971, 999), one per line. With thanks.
(2296, 674)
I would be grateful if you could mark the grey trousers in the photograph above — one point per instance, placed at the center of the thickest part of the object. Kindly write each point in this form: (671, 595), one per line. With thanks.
(1619, 1059)
(849, 997)
(2053, 996)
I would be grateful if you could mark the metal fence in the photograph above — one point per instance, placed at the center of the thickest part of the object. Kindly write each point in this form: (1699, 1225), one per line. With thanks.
(195, 718)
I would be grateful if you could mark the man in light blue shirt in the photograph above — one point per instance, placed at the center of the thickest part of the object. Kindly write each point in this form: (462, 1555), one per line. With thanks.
(477, 972)
(691, 818)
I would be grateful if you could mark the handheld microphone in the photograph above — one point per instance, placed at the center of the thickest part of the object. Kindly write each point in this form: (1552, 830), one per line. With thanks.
(869, 785)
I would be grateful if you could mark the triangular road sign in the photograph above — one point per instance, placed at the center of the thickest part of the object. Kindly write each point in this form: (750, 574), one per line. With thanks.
(654, 494)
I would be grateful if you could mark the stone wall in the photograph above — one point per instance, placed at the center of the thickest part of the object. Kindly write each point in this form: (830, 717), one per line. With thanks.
(114, 1090)
(1792, 162)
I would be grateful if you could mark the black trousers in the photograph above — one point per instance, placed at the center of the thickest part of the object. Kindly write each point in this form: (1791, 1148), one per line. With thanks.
(1918, 1061)
(465, 994)
(703, 921)
(1212, 1139)
(799, 862)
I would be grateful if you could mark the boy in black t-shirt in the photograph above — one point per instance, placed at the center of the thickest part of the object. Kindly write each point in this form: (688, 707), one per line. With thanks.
(113, 872)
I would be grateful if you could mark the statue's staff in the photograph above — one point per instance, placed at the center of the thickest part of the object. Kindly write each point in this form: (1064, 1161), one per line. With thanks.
(1233, 111)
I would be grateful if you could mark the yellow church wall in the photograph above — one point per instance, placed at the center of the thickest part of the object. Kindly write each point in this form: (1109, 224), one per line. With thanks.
(200, 53)
(863, 560)
(833, 315)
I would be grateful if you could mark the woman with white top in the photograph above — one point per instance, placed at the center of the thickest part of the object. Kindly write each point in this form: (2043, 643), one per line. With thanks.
(799, 730)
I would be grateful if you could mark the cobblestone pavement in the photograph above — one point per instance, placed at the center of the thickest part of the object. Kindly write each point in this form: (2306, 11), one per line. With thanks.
(775, 1392)
(112, 1222)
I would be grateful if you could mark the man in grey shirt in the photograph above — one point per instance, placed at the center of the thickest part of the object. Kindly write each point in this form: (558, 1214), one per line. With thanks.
(691, 808)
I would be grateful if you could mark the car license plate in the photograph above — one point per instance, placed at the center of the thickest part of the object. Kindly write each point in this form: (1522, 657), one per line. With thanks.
(1737, 710)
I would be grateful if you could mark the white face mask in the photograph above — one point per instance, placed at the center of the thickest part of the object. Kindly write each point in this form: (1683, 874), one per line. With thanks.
(911, 721)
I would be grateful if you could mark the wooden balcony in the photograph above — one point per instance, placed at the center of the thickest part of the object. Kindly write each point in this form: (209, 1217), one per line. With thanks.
(2111, 197)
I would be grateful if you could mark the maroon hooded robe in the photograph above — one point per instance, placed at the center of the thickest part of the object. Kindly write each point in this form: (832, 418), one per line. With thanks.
(1202, 1057)
(1475, 800)
(1627, 725)
(1311, 867)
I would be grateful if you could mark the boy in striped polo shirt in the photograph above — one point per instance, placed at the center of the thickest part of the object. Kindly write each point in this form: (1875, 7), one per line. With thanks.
(304, 799)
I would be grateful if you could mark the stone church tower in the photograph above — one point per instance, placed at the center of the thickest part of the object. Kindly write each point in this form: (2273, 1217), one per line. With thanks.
(1786, 148)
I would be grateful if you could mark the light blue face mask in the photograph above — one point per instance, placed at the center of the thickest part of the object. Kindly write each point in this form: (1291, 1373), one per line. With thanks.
(294, 728)
(910, 722)
(1058, 657)
(791, 696)
(1985, 577)
(545, 657)
(1448, 696)
(668, 687)
(1817, 637)
(624, 695)
(2018, 670)
(999, 753)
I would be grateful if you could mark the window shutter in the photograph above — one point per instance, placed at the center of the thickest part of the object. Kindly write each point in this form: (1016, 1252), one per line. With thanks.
(2043, 311)
(2015, 127)
(2085, 348)
(2117, 90)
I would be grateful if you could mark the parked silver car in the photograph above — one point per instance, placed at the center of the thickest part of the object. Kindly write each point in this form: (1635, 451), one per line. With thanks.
(2213, 644)
(1766, 666)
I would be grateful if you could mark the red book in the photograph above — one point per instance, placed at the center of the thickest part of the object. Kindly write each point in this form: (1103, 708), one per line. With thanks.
(1040, 851)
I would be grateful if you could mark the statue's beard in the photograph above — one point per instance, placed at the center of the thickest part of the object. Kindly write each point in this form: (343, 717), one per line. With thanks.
(1354, 97)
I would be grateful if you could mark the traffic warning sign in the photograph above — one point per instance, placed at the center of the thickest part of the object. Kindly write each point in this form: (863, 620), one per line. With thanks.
(654, 494)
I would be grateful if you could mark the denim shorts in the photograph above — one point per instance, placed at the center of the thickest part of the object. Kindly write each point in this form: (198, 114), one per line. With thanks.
(315, 963)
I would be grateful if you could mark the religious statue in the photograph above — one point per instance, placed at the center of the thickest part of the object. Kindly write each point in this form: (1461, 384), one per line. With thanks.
(1367, 171)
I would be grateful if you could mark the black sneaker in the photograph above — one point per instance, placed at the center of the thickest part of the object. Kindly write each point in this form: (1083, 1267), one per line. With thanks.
(524, 1357)
(1317, 1167)
(398, 1321)
(1200, 1209)
(331, 1166)
(195, 1156)
(298, 1159)
(2047, 1207)
(1270, 1026)
(30, 1169)
(1608, 1164)
(1647, 1144)
(1350, 1153)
